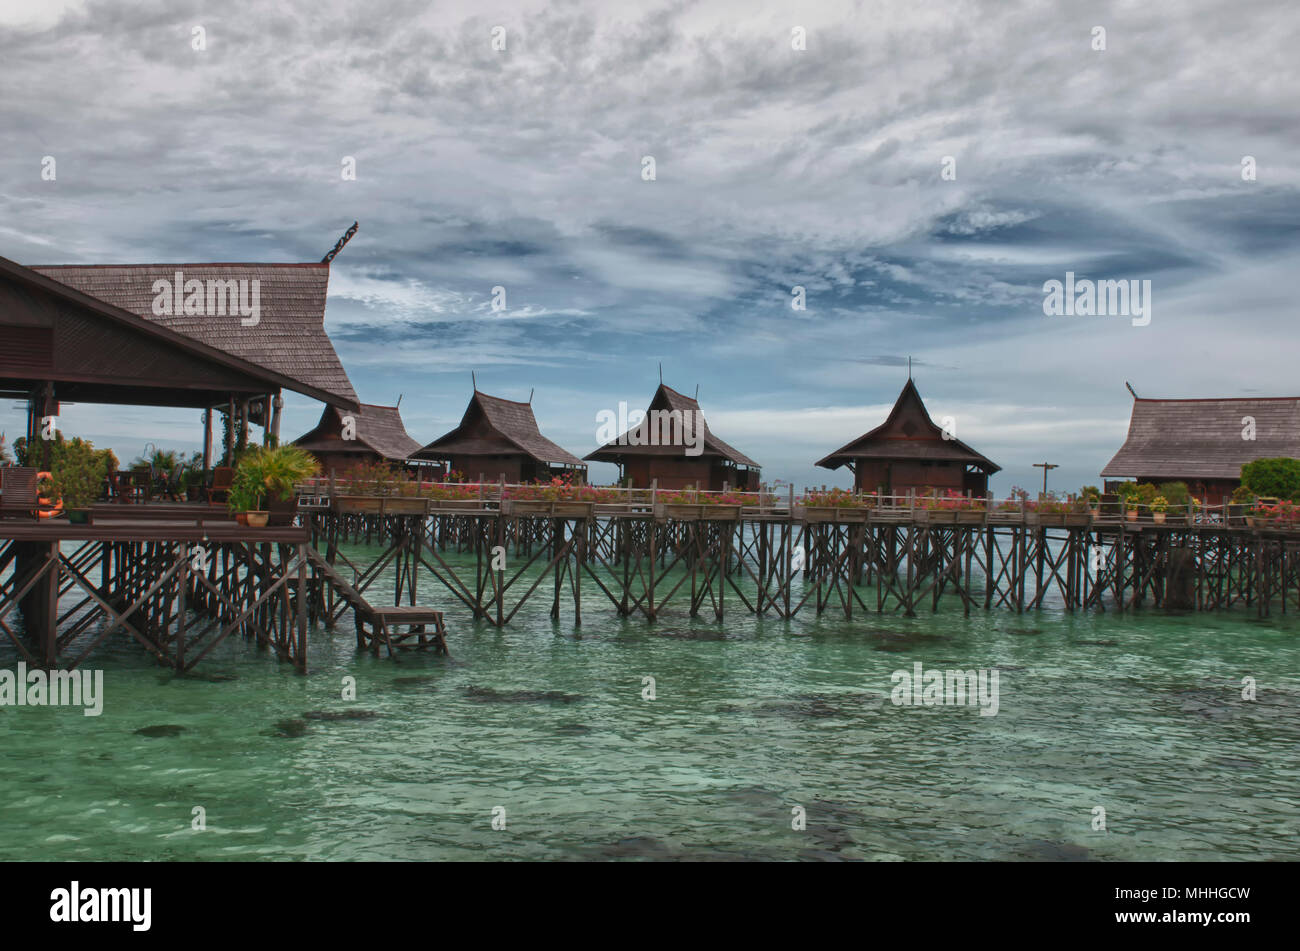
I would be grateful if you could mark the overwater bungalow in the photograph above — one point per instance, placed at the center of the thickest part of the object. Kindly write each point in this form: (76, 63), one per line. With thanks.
(96, 334)
(673, 447)
(908, 452)
(1204, 442)
(499, 439)
(371, 434)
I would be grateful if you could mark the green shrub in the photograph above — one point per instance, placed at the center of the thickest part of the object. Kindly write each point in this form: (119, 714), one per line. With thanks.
(1273, 478)
(1242, 496)
(1175, 493)
(77, 471)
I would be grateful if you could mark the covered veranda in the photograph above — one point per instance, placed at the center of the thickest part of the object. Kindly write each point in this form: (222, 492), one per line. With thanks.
(142, 572)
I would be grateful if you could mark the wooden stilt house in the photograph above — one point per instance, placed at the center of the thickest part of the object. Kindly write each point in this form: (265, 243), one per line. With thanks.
(673, 446)
(499, 439)
(343, 439)
(1204, 442)
(908, 452)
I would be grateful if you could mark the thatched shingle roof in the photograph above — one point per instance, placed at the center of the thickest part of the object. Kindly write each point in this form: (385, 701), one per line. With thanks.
(908, 433)
(1202, 438)
(493, 426)
(289, 338)
(668, 399)
(378, 428)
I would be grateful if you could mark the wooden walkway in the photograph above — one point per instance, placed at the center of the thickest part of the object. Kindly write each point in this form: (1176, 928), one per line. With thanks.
(179, 580)
(783, 563)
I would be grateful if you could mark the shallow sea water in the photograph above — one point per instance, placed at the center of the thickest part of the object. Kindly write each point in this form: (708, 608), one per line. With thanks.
(1139, 714)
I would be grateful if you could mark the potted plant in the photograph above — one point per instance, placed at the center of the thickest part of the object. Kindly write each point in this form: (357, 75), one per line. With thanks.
(282, 468)
(193, 478)
(242, 498)
(362, 488)
(270, 475)
(1159, 507)
(837, 505)
(77, 474)
(1091, 497)
(1240, 504)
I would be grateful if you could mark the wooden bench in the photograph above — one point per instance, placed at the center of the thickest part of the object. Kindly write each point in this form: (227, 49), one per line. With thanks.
(383, 621)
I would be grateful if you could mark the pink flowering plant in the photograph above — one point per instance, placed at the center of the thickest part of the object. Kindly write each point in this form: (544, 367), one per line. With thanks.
(952, 501)
(561, 488)
(1283, 514)
(841, 498)
(692, 497)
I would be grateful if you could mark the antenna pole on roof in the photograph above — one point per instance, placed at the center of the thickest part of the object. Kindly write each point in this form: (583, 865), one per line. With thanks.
(909, 367)
(697, 392)
(661, 372)
(1131, 390)
(473, 381)
(399, 401)
(531, 391)
(347, 236)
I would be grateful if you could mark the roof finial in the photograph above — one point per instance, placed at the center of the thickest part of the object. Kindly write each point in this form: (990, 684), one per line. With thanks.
(399, 401)
(909, 366)
(347, 236)
(697, 392)
(473, 380)
(531, 391)
(661, 372)
(1131, 390)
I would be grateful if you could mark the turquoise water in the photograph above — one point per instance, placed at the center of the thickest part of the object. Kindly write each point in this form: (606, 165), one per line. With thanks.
(1141, 715)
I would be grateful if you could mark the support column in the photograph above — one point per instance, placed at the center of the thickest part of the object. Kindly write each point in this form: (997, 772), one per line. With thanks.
(230, 432)
(207, 439)
(277, 404)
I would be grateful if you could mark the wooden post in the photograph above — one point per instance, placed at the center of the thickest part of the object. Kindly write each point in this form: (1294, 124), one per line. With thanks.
(207, 439)
(278, 405)
(230, 431)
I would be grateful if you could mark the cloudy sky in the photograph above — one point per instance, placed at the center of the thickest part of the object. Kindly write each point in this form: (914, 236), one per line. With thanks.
(820, 167)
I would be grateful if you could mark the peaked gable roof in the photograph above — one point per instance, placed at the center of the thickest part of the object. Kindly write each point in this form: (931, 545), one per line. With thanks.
(90, 348)
(511, 423)
(1203, 438)
(378, 428)
(900, 437)
(666, 398)
(289, 338)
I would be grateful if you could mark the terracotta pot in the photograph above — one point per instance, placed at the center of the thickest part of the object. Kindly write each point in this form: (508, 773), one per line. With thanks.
(241, 518)
(257, 519)
(1131, 515)
(1158, 517)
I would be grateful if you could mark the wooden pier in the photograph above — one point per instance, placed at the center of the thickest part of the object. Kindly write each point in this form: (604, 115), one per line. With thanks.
(781, 562)
(174, 578)
(180, 580)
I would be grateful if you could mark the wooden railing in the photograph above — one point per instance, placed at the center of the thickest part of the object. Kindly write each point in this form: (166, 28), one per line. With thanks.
(808, 505)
